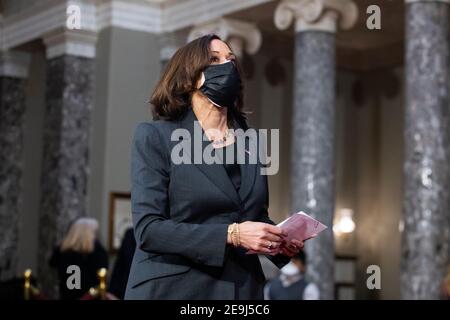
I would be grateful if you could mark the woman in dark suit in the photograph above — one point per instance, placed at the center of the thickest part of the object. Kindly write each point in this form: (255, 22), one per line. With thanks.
(195, 222)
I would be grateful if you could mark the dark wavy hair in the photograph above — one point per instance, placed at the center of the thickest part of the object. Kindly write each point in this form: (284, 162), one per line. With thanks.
(173, 93)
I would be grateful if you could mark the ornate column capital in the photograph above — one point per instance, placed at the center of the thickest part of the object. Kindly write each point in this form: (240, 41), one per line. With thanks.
(241, 35)
(14, 64)
(80, 43)
(321, 15)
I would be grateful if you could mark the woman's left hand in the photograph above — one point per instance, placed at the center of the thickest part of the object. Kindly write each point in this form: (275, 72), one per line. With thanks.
(291, 248)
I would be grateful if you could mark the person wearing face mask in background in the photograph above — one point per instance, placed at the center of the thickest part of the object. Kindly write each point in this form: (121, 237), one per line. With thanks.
(291, 284)
(195, 222)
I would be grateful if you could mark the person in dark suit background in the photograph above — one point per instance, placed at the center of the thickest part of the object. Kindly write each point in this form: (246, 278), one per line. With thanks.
(82, 248)
(291, 283)
(195, 222)
(119, 276)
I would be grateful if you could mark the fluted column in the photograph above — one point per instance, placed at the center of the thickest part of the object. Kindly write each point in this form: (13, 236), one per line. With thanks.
(69, 94)
(313, 149)
(242, 36)
(425, 243)
(13, 74)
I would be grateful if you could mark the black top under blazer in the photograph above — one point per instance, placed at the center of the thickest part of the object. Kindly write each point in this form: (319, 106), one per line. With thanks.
(181, 215)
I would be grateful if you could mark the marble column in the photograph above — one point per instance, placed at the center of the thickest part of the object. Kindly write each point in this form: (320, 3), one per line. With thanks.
(313, 142)
(70, 93)
(13, 74)
(425, 243)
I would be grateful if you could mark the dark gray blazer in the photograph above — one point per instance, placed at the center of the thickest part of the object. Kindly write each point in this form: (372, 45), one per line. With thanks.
(181, 215)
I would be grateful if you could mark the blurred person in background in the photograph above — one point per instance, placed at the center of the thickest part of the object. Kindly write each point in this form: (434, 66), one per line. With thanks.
(291, 284)
(119, 277)
(80, 247)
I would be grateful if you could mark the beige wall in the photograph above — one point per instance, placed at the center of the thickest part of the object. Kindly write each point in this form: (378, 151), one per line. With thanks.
(128, 66)
(391, 184)
(369, 177)
(31, 179)
(345, 173)
(272, 110)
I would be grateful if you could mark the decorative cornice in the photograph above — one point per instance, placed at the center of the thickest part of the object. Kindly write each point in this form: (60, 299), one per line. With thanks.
(170, 42)
(241, 35)
(80, 43)
(14, 64)
(186, 13)
(320, 15)
(43, 17)
(151, 16)
(144, 16)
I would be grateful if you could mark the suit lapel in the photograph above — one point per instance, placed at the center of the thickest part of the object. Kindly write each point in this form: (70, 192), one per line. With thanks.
(216, 173)
(248, 168)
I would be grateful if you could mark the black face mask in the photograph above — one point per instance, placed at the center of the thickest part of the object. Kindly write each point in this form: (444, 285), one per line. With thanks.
(222, 84)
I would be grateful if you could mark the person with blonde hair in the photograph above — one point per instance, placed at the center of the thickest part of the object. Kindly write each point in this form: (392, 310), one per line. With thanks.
(80, 247)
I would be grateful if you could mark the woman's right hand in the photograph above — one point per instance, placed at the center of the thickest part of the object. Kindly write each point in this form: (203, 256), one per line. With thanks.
(260, 237)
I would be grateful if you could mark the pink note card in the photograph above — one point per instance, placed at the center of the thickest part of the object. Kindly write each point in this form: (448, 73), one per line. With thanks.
(299, 226)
